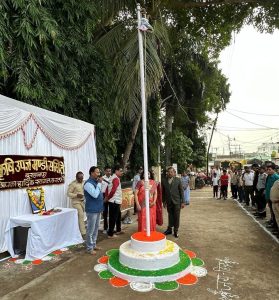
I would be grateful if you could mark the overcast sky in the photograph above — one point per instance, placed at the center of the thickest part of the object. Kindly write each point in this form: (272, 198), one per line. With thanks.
(251, 64)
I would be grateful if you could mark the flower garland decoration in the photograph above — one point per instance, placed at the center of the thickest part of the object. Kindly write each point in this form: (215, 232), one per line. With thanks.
(39, 202)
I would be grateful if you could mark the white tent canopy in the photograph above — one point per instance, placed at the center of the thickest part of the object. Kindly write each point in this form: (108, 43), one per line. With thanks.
(29, 130)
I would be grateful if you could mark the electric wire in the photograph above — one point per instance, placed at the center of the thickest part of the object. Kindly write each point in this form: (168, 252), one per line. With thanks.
(252, 113)
(249, 121)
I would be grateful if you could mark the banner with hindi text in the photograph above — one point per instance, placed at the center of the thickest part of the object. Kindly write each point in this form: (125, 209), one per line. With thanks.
(20, 171)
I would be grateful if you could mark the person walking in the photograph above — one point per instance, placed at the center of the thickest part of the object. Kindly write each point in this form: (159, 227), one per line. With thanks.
(185, 184)
(140, 202)
(173, 200)
(94, 205)
(224, 182)
(76, 194)
(105, 183)
(114, 196)
(248, 179)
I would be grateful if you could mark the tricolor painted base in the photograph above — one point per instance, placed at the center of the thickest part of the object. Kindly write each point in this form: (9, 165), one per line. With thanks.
(147, 263)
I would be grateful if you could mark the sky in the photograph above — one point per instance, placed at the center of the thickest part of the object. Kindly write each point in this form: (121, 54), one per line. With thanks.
(251, 64)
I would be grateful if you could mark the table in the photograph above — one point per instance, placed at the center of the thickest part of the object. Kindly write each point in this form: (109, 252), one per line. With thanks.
(46, 233)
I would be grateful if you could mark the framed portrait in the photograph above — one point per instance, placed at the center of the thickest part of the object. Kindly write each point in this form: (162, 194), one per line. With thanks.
(36, 197)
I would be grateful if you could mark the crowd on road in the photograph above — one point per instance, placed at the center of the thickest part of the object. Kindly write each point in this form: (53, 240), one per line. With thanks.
(255, 186)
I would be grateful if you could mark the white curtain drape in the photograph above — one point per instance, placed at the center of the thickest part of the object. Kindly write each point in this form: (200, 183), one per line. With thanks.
(60, 132)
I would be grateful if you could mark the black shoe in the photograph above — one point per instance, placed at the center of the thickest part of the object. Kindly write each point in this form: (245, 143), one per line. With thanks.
(270, 226)
(260, 217)
(256, 214)
(168, 231)
(176, 235)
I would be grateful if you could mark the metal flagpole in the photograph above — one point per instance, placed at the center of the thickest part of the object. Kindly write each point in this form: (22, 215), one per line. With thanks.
(144, 131)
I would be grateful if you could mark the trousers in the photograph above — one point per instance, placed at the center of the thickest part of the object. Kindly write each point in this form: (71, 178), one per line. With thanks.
(93, 220)
(248, 191)
(105, 215)
(114, 218)
(79, 206)
(173, 216)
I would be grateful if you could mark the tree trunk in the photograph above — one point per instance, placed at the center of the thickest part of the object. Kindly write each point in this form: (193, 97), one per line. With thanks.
(131, 141)
(168, 124)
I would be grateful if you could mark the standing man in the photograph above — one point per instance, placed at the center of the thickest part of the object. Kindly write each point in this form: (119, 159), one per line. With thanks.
(215, 185)
(271, 178)
(224, 182)
(105, 183)
(134, 185)
(260, 196)
(248, 180)
(274, 197)
(75, 193)
(240, 186)
(94, 205)
(255, 168)
(192, 180)
(173, 200)
(114, 196)
(234, 184)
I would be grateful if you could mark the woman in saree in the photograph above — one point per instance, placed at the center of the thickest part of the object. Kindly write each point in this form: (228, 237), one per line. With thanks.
(140, 202)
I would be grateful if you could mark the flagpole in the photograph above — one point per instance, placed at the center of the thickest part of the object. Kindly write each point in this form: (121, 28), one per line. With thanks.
(144, 130)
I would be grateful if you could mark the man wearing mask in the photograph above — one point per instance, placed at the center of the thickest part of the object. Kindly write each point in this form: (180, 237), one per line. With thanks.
(105, 183)
(94, 205)
(75, 193)
(173, 200)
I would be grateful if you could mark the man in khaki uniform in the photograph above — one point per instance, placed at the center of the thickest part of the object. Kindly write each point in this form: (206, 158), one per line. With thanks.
(76, 194)
(274, 197)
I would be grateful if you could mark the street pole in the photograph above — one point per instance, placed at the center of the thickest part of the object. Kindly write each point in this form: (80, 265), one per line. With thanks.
(144, 130)
(209, 144)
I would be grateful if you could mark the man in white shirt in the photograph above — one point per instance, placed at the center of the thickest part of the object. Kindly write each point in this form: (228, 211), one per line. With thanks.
(105, 183)
(248, 178)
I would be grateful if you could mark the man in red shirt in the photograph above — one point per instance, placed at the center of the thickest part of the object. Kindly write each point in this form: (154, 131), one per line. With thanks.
(224, 182)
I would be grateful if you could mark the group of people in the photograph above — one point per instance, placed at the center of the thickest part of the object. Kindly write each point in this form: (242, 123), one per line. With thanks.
(256, 186)
(103, 194)
(96, 195)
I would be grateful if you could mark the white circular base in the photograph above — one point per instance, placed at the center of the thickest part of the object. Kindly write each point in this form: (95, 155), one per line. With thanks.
(153, 246)
(165, 258)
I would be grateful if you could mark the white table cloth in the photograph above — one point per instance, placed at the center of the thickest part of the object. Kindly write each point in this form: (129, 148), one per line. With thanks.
(47, 233)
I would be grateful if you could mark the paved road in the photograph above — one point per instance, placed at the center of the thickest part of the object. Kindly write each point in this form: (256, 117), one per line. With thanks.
(215, 229)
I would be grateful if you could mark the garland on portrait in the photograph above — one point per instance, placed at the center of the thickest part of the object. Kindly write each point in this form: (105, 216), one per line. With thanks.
(39, 202)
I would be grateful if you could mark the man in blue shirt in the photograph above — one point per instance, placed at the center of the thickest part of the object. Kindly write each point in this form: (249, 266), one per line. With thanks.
(271, 178)
(93, 207)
